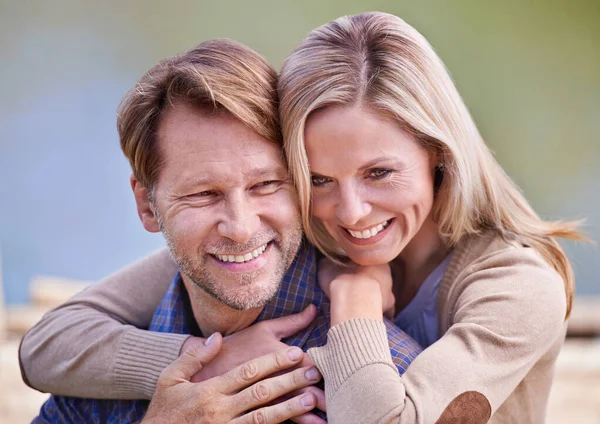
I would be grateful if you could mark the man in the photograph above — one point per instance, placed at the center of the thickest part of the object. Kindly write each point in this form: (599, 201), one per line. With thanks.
(200, 131)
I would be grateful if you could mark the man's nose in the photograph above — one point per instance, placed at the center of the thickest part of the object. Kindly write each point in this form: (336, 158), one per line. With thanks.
(352, 205)
(240, 220)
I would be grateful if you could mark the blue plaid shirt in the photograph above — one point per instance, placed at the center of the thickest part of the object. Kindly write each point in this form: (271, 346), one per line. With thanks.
(174, 315)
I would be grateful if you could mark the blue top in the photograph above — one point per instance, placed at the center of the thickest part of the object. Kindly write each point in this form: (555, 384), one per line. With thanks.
(298, 289)
(420, 317)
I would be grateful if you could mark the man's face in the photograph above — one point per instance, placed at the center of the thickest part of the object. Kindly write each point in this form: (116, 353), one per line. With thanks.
(225, 205)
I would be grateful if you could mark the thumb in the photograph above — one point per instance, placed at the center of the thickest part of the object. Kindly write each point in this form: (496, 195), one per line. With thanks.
(192, 360)
(289, 325)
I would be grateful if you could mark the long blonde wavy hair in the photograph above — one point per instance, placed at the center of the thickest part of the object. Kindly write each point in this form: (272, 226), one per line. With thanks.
(380, 62)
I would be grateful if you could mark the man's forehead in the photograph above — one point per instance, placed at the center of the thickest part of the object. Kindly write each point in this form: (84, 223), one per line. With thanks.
(198, 148)
(247, 155)
(216, 136)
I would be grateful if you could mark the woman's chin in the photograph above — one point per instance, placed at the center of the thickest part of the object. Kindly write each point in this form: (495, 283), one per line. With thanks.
(371, 258)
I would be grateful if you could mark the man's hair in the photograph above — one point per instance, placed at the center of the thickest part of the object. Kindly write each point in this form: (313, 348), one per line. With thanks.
(221, 75)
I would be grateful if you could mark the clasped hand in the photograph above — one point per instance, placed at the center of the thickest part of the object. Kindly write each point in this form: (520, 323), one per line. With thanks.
(357, 291)
(226, 380)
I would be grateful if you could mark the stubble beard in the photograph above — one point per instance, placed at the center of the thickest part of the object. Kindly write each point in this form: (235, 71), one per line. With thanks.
(243, 291)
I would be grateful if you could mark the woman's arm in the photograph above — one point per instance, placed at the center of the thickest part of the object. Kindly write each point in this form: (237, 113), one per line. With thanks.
(507, 312)
(85, 339)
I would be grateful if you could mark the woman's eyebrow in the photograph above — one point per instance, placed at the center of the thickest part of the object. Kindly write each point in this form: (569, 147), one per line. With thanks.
(382, 160)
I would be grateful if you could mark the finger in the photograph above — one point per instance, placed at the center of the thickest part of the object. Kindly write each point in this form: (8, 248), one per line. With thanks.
(273, 388)
(280, 412)
(308, 418)
(192, 360)
(289, 325)
(306, 361)
(319, 394)
(257, 369)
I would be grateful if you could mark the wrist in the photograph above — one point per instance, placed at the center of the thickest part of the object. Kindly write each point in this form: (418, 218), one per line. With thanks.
(355, 298)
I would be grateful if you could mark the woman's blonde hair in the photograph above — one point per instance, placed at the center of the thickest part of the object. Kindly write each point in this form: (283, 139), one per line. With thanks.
(381, 63)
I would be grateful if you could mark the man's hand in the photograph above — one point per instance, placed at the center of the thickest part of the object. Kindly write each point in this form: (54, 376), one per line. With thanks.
(357, 291)
(234, 396)
(258, 340)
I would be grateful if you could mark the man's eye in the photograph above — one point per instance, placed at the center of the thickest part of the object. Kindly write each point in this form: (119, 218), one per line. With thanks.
(266, 183)
(203, 194)
(267, 187)
(206, 193)
(318, 180)
(378, 173)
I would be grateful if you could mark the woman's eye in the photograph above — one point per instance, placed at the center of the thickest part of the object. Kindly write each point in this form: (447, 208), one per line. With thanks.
(378, 173)
(318, 181)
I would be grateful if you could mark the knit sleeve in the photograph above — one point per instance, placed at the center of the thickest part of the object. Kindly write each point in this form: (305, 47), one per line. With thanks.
(507, 323)
(94, 345)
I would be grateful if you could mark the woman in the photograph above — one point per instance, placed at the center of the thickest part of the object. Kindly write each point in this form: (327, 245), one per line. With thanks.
(390, 169)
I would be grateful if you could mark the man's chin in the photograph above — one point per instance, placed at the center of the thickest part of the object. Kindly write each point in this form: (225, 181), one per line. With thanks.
(250, 296)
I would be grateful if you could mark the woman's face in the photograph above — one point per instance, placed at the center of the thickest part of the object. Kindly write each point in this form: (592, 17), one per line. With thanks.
(373, 184)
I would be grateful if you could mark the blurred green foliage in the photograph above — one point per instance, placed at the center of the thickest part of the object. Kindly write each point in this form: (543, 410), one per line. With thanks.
(528, 70)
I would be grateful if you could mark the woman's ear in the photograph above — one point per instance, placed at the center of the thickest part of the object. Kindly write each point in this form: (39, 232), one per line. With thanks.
(437, 161)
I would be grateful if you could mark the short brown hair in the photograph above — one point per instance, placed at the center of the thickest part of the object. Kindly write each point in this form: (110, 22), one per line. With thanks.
(220, 74)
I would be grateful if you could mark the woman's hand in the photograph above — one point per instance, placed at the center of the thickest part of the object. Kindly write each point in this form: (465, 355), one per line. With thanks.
(357, 291)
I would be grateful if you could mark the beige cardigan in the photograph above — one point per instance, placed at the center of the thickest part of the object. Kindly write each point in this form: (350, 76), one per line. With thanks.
(501, 311)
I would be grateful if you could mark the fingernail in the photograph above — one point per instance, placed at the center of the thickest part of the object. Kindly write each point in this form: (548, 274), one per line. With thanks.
(308, 401)
(209, 340)
(312, 374)
(295, 353)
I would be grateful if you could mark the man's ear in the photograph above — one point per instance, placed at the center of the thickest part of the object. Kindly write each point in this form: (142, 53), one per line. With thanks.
(144, 207)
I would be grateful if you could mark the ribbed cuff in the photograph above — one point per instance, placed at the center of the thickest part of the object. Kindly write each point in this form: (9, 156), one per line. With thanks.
(352, 345)
(140, 359)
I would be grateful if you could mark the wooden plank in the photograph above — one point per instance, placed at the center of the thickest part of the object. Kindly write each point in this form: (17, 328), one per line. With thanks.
(50, 292)
(20, 318)
(585, 317)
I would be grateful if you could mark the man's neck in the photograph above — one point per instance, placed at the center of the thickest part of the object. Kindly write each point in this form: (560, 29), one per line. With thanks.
(214, 316)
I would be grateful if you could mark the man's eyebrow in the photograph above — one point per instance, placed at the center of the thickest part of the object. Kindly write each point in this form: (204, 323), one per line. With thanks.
(266, 171)
(194, 181)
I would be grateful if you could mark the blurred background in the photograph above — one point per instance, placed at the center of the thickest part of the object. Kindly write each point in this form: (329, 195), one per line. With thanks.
(529, 72)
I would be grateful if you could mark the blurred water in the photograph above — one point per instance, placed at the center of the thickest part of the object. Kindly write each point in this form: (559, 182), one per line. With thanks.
(530, 73)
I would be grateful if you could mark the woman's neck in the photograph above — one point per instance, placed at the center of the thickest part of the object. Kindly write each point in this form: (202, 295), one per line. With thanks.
(418, 259)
